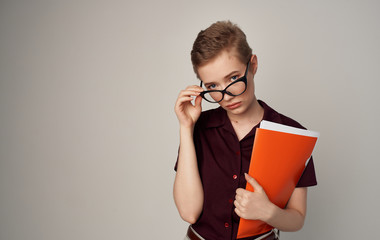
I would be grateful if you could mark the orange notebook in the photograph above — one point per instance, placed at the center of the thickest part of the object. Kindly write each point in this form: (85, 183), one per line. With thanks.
(279, 156)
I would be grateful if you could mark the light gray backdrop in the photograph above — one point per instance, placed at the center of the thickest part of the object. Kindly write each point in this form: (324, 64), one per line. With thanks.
(88, 133)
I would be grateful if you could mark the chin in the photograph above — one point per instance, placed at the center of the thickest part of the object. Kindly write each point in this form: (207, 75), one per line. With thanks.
(235, 111)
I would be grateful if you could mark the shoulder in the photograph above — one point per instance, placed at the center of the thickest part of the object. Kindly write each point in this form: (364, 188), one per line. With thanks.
(290, 122)
(274, 116)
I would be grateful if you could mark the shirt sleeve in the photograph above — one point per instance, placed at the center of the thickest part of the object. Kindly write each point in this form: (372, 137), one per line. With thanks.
(308, 177)
(176, 162)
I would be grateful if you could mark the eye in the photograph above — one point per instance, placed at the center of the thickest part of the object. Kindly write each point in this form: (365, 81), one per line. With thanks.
(211, 86)
(234, 78)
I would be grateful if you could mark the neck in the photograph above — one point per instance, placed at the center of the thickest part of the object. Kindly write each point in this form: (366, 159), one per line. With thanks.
(252, 115)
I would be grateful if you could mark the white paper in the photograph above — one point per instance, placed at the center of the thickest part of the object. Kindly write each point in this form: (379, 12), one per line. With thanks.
(287, 129)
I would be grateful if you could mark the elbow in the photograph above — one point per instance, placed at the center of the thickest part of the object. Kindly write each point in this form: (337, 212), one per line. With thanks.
(302, 216)
(190, 217)
(189, 210)
(299, 225)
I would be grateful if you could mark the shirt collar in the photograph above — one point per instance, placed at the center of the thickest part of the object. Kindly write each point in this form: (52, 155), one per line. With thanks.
(218, 119)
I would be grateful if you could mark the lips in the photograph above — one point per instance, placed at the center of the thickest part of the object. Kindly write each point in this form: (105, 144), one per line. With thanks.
(234, 105)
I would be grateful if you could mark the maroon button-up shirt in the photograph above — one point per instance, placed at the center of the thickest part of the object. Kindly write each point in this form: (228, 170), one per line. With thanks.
(222, 162)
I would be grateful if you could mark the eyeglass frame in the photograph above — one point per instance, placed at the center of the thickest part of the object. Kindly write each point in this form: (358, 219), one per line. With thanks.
(224, 91)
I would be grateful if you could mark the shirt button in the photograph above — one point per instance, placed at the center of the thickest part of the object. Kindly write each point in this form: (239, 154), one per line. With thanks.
(238, 153)
(234, 176)
(226, 225)
(230, 200)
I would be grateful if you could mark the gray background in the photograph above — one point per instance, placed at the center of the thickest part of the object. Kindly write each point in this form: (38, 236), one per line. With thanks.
(88, 135)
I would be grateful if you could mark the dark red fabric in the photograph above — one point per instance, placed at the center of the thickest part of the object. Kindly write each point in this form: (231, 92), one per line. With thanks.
(222, 162)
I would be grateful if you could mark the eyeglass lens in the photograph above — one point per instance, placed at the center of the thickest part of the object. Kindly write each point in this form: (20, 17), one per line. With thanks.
(234, 89)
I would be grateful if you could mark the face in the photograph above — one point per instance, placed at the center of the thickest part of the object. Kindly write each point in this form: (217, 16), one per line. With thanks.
(224, 70)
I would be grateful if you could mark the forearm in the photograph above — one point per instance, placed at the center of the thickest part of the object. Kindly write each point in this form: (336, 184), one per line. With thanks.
(288, 220)
(188, 190)
(293, 216)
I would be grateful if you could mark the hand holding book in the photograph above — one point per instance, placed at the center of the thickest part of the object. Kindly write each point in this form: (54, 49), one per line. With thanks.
(251, 205)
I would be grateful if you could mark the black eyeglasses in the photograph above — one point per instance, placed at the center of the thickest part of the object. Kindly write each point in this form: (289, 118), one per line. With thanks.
(235, 88)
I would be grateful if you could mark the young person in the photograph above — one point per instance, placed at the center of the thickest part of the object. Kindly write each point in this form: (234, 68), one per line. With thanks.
(216, 145)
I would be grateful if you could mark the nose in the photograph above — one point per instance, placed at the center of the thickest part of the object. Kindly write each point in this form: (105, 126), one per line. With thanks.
(227, 97)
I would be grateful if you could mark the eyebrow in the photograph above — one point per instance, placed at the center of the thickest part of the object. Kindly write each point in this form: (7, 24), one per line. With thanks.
(231, 74)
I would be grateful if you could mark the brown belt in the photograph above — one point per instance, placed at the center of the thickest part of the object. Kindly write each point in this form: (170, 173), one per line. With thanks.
(192, 236)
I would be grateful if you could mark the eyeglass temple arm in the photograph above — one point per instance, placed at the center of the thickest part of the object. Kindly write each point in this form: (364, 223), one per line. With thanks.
(246, 70)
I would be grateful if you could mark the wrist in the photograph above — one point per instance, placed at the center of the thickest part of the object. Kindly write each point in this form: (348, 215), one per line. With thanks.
(186, 128)
(186, 133)
(270, 213)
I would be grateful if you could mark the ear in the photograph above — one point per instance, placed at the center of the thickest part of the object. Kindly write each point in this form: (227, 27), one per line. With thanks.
(253, 63)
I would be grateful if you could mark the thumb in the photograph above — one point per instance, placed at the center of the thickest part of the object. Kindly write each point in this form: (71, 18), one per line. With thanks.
(256, 186)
